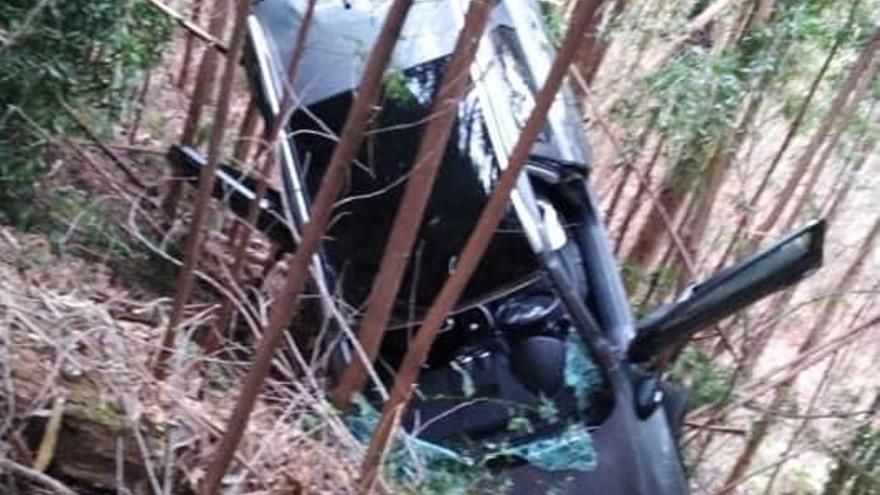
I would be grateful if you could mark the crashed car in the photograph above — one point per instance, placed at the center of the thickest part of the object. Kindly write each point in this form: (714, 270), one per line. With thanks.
(510, 379)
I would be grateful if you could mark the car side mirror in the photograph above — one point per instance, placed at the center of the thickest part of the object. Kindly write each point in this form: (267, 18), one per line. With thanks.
(781, 265)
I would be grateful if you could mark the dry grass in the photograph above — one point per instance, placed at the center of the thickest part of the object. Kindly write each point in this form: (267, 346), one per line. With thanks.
(70, 332)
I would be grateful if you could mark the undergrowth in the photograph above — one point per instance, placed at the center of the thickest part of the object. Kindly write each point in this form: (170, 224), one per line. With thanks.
(707, 380)
(57, 56)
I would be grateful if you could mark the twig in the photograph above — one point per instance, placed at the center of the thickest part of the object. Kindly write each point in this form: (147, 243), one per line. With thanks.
(284, 310)
(206, 186)
(46, 450)
(185, 23)
(149, 150)
(36, 476)
(116, 159)
(794, 367)
(411, 210)
(476, 245)
(716, 428)
(10, 40)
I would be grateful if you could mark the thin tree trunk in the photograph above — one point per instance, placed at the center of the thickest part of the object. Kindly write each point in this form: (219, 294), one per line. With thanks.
(820, 388)
(763, 13)
(476, 245)
(247, 134)
(743, 21)
(717, 171)
(819, 137)
(192, 250)
(188, 46)
(858, 94)
(627, 168)
(285, 309)
(793, 129)
(698, 23)
(781, 392)
(671, 197)
(636, 201)
(833, 206)
(139, 110)
(406, 225)
(240, 236)
(202, 93)
(592, 59)
(846, 467)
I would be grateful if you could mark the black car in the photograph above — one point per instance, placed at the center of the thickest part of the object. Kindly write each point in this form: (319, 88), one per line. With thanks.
(509, 379)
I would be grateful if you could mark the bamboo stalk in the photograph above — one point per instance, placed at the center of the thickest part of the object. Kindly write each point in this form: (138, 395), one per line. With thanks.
(285, 308)
(473, 251)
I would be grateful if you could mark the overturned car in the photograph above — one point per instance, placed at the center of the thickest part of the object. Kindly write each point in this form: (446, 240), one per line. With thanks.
(510, 381)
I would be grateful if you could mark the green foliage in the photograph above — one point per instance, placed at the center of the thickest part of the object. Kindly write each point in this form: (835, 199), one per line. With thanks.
(810, 29)
(692, 101)
(79, 225)
(395, 88)
(631, 273)
(708, 381)
(857, 466)
(554, 20)
(86, 53)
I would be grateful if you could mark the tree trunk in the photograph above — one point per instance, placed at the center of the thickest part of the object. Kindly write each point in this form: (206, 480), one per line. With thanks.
(761, 427)
(188, 46)
(831, 209)
(404, 231)
(853, 105)
(629, 162)
(814, 399)
(282, 312)
(202, 92)
(591, 60)
(672, 195)
(636, 201)
(717, 170)
(94, 442)
(743, 221)
(801, 166)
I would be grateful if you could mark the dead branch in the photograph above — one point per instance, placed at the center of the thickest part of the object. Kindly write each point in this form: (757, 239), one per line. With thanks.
(284, 310)
(185, 23)
(112, 155)
(206, 185)
(36, 476)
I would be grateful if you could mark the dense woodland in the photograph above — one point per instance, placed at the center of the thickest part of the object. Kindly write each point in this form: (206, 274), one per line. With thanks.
(716, 125)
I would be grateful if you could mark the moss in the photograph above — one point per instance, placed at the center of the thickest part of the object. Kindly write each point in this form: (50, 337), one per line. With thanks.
(84, 402)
